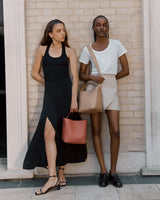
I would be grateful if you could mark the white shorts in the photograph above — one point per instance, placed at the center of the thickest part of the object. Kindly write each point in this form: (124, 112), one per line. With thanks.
(109, 92)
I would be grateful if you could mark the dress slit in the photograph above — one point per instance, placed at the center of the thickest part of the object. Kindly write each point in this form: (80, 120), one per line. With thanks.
(49, 121)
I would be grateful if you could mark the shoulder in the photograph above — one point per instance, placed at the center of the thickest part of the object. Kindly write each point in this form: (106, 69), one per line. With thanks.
(115, 42)
(41, 49)
(119, 47)
(85, 50)
(70, 51)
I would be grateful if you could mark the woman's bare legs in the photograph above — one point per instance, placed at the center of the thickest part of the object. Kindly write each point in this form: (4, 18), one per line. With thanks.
(113, 121)
(96, 135)
(51, 152)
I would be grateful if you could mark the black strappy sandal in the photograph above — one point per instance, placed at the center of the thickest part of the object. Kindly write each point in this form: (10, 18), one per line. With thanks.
(62, 183)
(56, 186)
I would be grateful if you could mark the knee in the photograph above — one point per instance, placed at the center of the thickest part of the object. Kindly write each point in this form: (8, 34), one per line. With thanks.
(115, 132)
(49, 135)
(96, 131)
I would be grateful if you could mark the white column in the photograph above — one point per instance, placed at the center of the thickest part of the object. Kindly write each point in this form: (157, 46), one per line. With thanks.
(152, 84)
(16, 83)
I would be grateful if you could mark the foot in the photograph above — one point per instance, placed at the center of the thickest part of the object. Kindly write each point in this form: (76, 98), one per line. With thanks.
(103, 180)
(50, 184)
(116, 181)
(62, 179)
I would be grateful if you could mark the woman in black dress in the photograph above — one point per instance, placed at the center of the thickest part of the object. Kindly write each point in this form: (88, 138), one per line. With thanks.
(60, 98)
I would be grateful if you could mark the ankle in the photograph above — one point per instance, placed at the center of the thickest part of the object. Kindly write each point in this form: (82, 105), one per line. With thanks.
(52, 176)
(112, 172)
(61, 170)
(103, 171)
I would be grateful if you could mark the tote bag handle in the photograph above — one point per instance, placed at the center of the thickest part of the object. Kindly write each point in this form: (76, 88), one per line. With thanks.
(94, 58)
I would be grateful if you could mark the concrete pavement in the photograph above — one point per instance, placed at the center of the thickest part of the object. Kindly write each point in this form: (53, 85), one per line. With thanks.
(84, 188)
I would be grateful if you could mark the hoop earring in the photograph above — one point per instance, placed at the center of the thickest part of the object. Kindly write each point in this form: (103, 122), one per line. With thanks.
(107, 35)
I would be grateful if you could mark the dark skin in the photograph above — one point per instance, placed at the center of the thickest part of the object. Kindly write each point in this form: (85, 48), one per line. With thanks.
(101, 28)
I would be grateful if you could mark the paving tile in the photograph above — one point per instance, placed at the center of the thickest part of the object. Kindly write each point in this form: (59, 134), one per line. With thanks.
(66, 193)
(16, 194)
(90, 192)
(39, 182)
(73, 181)
(139, 192)
(9, 184)
(147, 179)
(128, 179)
(158, 186)
(96, 192)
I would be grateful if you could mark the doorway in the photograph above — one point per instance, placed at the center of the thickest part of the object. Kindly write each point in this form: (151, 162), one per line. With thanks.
(3, 146)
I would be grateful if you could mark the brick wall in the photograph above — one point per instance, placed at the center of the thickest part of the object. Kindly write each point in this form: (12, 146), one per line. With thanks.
(126, 25)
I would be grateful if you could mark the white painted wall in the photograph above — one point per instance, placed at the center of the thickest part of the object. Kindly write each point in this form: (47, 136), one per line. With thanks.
(16, 93)
(155, 78)
(152, 83)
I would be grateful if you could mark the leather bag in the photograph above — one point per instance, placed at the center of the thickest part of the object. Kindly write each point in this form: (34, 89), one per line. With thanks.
(74, 130)
(91, 101)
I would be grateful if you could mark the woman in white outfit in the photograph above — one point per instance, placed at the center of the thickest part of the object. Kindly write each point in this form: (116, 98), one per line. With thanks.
(107, 52)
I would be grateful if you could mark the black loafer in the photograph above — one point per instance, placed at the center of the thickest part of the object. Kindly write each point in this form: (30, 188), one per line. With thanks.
(116, 181)
(103, 180)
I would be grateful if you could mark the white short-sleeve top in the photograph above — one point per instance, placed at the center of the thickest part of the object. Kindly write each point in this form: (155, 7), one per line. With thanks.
(107, 59)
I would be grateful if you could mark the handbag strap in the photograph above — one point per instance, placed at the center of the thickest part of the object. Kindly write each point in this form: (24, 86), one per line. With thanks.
(88, 83)
(94, 58)
(71, 113)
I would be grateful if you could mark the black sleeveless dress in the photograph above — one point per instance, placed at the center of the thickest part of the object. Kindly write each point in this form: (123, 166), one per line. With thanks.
(56, 105)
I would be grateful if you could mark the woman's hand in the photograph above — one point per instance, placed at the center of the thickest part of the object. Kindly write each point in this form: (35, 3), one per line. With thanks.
(86, 77)
(125, 67)
(74, 106)
(98, 79)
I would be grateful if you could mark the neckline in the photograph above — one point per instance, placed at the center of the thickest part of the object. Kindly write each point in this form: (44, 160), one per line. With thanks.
(103, 49)
(55, 57)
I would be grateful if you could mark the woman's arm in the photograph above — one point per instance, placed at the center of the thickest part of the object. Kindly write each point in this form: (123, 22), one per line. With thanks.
(37, 64)
(125, 68)
(85, 77)
(75, 79)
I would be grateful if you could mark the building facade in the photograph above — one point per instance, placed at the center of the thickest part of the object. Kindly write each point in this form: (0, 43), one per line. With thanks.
(135, 24)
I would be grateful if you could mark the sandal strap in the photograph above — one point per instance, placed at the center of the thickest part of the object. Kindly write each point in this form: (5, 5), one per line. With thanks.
(62, 168)
(53, 176)
(62, 181)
